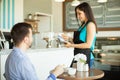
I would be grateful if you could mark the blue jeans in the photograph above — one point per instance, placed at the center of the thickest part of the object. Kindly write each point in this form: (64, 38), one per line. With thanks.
(91, 63)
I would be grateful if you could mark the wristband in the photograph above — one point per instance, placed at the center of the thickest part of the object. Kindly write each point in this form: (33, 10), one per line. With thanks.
(52, 76)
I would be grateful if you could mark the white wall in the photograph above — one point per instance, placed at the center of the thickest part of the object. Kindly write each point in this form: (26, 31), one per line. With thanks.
(57, 16)
(19, 11)
(32, 6)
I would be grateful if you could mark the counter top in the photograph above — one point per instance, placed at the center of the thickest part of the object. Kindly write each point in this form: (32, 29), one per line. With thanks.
(44, 60)
(7, 51)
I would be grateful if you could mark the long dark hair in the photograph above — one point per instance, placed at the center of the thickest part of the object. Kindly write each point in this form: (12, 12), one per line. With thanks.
(85, 7)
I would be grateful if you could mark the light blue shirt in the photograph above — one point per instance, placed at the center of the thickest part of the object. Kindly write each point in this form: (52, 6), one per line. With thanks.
(19, 67)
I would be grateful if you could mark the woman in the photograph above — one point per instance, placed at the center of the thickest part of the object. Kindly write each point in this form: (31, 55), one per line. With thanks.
(84, 38)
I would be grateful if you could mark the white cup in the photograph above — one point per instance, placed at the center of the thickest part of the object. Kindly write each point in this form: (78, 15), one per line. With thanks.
(86, 67)
(71, 71)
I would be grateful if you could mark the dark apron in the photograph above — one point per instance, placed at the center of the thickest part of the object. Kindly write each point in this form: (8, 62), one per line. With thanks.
(78, 50)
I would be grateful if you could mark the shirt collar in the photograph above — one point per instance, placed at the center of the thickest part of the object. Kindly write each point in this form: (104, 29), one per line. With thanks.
(19, 51)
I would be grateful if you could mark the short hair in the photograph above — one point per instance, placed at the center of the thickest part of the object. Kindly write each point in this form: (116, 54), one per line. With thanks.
(19, 31)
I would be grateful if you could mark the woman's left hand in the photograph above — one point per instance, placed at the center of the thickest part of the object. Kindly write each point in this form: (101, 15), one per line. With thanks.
(68, 44)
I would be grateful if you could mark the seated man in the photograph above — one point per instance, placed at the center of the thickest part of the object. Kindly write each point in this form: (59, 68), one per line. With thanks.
(18, 66)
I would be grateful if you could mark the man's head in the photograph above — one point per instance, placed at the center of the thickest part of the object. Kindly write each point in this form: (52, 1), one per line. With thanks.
(21, 33)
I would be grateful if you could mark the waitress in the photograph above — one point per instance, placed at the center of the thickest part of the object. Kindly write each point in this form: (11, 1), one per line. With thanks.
(84, 38)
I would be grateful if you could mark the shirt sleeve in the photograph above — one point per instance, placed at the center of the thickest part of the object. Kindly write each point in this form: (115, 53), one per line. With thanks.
(51, 77)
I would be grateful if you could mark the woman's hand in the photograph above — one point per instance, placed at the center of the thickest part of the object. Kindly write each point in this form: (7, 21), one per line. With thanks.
(68, 44)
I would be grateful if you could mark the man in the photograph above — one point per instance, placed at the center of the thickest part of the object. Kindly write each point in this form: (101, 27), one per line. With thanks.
(18, 65)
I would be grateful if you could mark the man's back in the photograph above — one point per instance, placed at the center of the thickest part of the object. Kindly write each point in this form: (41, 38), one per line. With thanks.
(19, 67)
